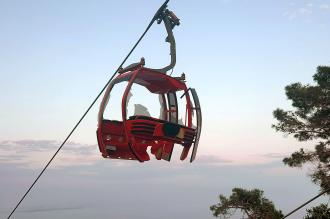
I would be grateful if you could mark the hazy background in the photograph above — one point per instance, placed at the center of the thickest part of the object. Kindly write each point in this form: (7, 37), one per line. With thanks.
(55, 56)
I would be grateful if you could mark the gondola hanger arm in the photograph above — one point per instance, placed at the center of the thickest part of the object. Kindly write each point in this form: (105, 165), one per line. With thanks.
(170, 20)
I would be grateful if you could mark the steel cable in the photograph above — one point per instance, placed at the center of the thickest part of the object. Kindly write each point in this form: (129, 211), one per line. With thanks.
(309, 201)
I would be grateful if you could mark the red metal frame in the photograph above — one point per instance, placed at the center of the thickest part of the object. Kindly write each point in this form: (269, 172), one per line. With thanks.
(130, 138)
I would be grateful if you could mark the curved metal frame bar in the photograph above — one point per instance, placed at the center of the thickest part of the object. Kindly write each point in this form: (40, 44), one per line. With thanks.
(170, 39)
(123, 113)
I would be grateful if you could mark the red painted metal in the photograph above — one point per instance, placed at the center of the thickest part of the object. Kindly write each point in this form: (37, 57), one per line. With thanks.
(129, 139)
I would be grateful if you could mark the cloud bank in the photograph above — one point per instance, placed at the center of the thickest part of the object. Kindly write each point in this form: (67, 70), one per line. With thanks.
(35, 153)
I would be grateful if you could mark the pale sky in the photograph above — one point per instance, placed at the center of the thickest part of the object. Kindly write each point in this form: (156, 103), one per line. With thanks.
(55, 56)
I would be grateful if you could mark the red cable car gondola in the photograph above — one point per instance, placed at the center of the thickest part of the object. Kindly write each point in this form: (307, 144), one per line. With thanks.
(129, 138)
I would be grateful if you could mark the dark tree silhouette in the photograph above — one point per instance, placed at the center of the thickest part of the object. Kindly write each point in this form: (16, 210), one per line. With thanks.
(320, 212)
(309, 121)
(250, 202)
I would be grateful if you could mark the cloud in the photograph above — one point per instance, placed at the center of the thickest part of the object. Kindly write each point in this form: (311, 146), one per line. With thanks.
(35, 153)
(47, 209)
(212, 160)
(304, 10)
(269, 157)
(324, 6)
(24, 145)
(274, 155)
(300, 12)
(45, 145)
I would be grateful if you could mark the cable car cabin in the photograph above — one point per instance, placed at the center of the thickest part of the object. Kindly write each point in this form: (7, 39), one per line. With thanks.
(129, 138)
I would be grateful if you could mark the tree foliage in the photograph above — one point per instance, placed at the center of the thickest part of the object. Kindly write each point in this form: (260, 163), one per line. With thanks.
(309, 121)
(320, 212)
(250, 202)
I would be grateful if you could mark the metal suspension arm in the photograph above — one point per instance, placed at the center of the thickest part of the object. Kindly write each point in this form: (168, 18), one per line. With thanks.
(170, 21)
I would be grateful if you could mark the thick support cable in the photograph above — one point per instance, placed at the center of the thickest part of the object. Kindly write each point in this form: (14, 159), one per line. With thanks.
(309, 201)
(91, 105)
